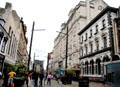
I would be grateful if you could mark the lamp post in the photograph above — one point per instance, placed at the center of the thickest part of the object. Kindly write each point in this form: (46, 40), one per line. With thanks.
(66, 50)
(66, 54)
(29, 56)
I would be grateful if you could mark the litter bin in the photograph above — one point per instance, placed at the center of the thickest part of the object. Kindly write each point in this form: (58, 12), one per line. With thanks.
(84, 82)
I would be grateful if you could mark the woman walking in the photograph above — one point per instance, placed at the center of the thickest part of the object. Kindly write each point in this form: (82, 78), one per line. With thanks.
(49, 79)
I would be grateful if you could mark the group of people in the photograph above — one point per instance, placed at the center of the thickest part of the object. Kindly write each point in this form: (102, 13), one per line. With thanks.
(32, 78)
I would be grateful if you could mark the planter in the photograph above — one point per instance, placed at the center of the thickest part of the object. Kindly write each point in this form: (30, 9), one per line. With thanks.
(18, 82)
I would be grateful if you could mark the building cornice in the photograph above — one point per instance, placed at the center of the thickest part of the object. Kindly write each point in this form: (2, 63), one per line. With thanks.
(112, 9)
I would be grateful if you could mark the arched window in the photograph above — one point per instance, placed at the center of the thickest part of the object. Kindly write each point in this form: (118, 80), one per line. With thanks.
(4, 44)
(98, 66)
(115, 58)
(86, 67)
(92, 67)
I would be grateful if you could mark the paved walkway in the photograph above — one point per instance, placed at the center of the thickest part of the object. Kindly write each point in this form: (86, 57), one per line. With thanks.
(55, 84)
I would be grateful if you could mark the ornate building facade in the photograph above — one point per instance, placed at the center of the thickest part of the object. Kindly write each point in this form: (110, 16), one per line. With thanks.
(84, 12)
(14, 28)
(4, 37)
(97, 43)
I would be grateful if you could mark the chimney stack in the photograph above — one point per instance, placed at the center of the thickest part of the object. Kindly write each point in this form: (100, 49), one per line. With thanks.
(8, 5)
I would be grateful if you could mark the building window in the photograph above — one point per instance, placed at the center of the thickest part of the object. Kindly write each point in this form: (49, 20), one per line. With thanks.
(81, 51)
(1, 36)
(4, 44)
(2, 22)
(90, 33)
(86, 67)
(82, 39)
(91, 47)
(9, 30)
(97, 45)
(103, 24)
(86, 49)
(98, 67)
(105, 42)
(96, 29)
(86, 37)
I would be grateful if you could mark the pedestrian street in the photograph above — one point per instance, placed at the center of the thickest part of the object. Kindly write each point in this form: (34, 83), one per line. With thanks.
(55, 84)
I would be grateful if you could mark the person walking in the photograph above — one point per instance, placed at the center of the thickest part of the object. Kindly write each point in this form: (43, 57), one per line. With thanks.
(11, 75)
(41, 76)
(26, 78)
(49, 79)
(35, 78)
(1, 79)
(45, 77)
(6, 77)
(57, 78)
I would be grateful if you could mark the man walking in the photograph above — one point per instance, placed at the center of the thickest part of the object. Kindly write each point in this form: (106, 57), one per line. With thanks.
(35, 78)
(41, 76)
(11, 75)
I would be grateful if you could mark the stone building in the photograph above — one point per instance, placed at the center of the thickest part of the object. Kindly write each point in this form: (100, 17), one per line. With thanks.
(4, 37)
(84, 12)
(51, 63)
(14, 27)
(97, 44)
(22, 53)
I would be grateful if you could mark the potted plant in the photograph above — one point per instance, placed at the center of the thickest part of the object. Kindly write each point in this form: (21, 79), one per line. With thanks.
(20, 70)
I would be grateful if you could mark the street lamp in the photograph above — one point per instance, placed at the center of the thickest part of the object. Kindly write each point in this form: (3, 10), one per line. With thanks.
(66, 55)
(29, 56)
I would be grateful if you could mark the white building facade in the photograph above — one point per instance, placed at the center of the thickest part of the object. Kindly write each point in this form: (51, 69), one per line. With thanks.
(78, 18)
(97, 43)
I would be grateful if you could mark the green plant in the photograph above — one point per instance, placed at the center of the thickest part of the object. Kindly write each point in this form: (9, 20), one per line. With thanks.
(71, 72)
(20, 69)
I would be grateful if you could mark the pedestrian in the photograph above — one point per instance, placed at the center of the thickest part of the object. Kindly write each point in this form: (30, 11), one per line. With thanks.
(63, 78)
(45, 77)
(5, 78)
(49, 79)
(57, 78)
(1, 79)
(41, 76)
(26, 78)
(11, 75)
(35, 78)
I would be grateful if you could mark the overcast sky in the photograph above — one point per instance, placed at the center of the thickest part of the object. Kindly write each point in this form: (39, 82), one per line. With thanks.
(47, 14)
